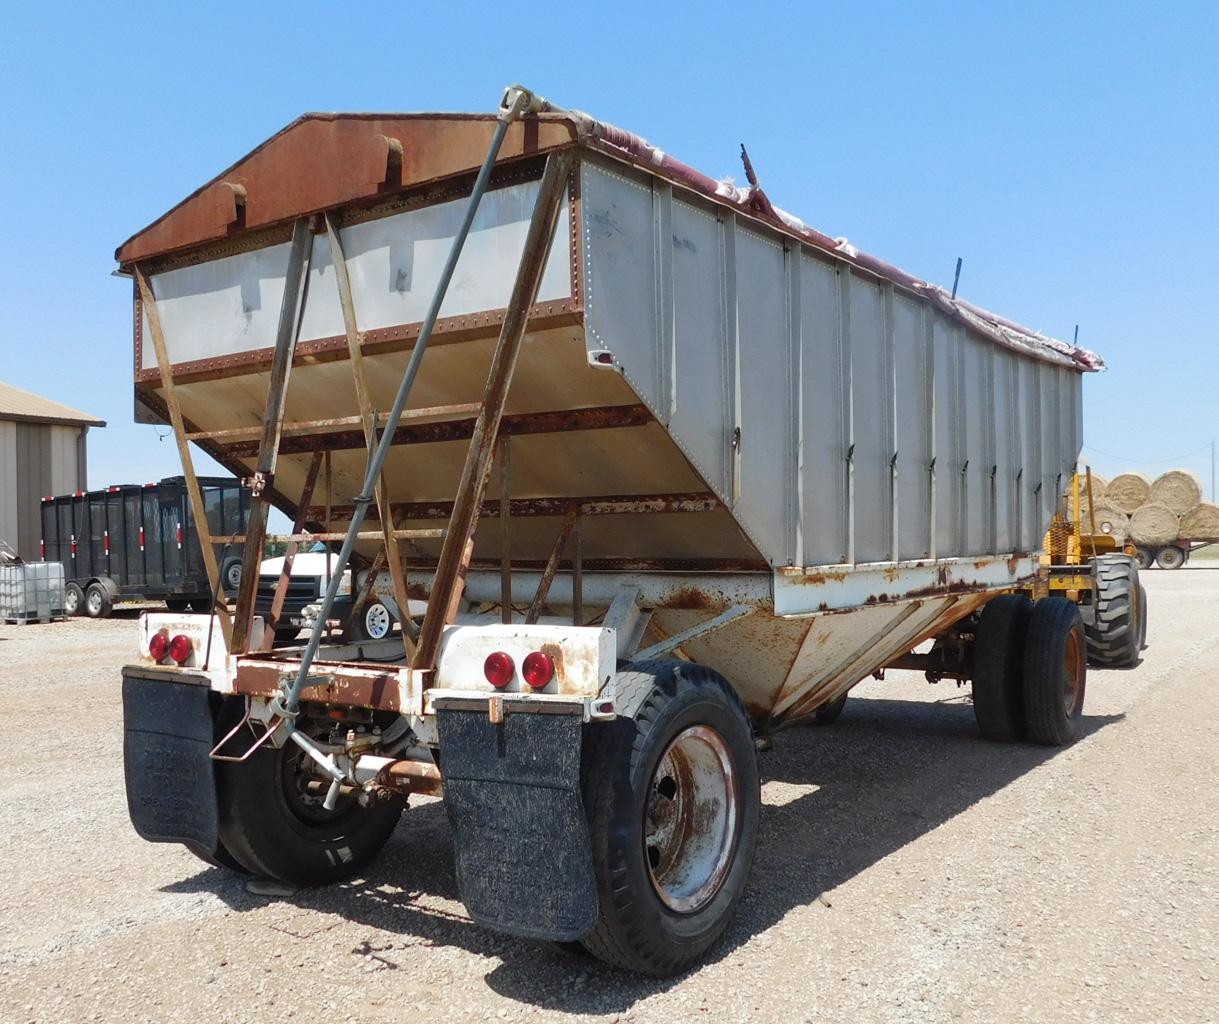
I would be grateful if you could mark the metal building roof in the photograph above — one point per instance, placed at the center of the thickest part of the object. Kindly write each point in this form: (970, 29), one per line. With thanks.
(17, 404)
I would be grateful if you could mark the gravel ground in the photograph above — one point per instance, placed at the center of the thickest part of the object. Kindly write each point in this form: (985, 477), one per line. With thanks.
(906, 871)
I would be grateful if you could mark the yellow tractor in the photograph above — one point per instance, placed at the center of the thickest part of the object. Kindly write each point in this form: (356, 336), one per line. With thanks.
(1097, 571)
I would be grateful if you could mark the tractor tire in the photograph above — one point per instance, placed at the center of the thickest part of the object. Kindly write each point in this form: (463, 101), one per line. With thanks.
(672, 795)
(1113, 634)
(1170, 557)
(1055, 672)
(73, 599)
(998, 668)
(276, 828)
(98, 603)
(1142, 617)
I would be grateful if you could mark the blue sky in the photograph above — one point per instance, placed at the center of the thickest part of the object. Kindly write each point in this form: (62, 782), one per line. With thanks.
(1068, 152)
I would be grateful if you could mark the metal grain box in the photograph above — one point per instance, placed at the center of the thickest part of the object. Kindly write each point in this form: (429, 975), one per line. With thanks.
(31, 591)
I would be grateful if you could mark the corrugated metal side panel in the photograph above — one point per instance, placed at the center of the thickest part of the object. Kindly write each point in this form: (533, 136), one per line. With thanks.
(65, 469)
(825, 378)
(873, 428)
(33, 450)
(8, 482)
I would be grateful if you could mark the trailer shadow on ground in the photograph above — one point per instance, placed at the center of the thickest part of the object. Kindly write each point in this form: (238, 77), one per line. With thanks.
(836, 801)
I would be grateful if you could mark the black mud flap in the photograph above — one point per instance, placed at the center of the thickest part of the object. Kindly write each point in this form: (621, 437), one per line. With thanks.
(171, 785)
(512, 791)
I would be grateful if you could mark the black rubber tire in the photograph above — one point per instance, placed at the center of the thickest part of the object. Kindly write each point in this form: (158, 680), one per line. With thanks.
(1144, 557)
(98, 604)
(635, 929)
(177, 604)
(268, 838)
(200, 605)
(1142, 617)
(827, 714)
(73, 599)
(1113, 634)
(1170, 557)
(1055, 650)
(998, 667)
(357, 626)
(230, 574)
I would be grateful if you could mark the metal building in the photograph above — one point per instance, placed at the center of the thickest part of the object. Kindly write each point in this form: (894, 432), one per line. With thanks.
(42, 451)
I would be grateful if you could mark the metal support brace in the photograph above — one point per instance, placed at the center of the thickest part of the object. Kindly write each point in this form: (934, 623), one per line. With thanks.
(737, 611)
(281, 587)
(514, 103)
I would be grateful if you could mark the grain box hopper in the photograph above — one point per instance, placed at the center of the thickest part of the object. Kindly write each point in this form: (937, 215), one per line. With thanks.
(670, 469)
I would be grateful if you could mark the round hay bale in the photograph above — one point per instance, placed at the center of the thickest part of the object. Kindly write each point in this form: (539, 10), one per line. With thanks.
(1099, 483)
(1154, 524)
(1201, 522)
(1128, 491)
(1098, 493)
(1109, 519)
(1179, 489)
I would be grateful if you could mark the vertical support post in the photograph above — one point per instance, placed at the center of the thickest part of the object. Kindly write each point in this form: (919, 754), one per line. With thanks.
(298, 524)
(290, 313)
(393, 553)
(577, 573)
(505, 531)
(198, 510)
(552, 564)
(464, 518)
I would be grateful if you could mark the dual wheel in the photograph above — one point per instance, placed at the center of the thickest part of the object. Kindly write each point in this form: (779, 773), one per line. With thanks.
(94, 600)
(1029, 670)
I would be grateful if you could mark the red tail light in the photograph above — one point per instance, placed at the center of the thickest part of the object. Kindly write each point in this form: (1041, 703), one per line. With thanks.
(180, 649)
(538, 669)
(158, 647)
(499, 669)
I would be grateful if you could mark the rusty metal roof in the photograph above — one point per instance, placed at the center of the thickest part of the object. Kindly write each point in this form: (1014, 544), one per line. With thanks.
(25, 406)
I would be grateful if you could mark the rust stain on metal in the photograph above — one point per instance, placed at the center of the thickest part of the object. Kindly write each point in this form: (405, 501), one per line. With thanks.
(688, 598)
(350, 685)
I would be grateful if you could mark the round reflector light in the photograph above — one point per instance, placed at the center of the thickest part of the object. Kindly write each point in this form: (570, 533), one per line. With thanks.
(158, 647)
(180, 648)
(538, 669)
(499, 669)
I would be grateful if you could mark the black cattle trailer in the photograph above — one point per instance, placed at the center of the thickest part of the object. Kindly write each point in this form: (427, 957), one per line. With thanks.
(139, 541)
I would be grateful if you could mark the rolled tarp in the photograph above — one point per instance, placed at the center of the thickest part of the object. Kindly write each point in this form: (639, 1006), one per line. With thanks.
(1128, 491)
(1179, 489)
(1201, 522)
(1154, 523)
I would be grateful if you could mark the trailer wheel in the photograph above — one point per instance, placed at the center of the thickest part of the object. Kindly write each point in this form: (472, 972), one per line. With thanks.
(998, 667)
(373, 622)
(274, 824)
(1145, 557)
(1113, 634)
(1142, 617)
(230, 574)
(98, 603)
(672, 794)
(827, 714)
(1055, 672)
(1170, 557)
(73, 599)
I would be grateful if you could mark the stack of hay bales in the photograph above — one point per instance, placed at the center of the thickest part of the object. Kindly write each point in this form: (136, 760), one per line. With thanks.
(1149, 512)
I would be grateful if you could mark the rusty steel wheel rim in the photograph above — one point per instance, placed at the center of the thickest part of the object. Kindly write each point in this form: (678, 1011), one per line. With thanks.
(1072, 672)
(690, 819)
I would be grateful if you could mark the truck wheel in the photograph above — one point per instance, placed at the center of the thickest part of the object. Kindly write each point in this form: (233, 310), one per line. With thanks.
(998, 667)
(827, 714)
(373, 622)
(73, 599)
(1055, 672)
(98, 604)
(274, 824)
(1142, 617)
(1113, 634)
(1170, 557)
(1144, 557)
(672, 794)
(230, 574)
